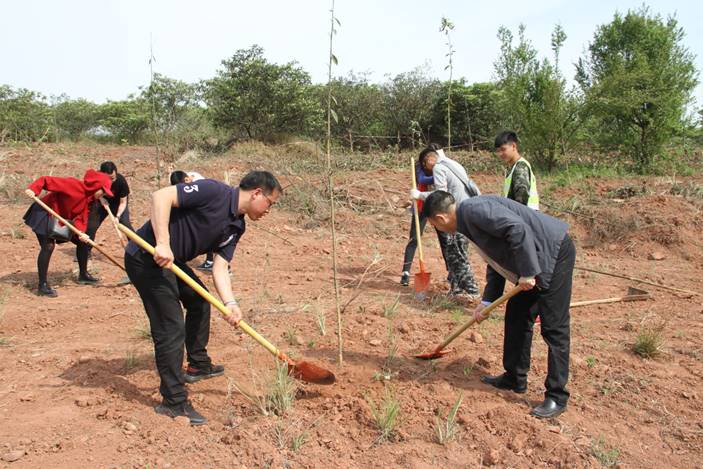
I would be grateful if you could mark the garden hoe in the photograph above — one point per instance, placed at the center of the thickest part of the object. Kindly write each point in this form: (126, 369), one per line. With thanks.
(422, 279)
(75, 230)
(302, 370)
(439, 352)
(633, 294)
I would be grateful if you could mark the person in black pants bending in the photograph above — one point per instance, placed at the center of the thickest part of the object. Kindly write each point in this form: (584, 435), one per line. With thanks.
(534, 251)
(188, 220)
(118, 202)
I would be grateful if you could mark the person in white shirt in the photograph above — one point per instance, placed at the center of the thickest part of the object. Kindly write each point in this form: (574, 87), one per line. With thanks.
(450, 176)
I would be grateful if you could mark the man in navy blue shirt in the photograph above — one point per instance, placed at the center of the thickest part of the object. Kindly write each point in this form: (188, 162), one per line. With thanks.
(188, 220)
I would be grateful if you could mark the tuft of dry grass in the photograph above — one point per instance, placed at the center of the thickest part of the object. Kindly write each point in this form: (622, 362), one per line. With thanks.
(649, 341)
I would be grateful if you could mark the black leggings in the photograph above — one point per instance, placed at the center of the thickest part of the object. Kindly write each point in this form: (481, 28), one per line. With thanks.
(46, 249)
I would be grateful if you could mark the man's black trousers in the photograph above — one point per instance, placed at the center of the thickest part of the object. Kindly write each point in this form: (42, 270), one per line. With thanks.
(162, 294)
(552, 305)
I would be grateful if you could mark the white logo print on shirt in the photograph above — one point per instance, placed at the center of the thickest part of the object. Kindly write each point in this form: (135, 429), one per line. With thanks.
(224, 243)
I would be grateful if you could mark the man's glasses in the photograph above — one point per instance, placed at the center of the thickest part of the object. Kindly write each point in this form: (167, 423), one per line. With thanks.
(271, 202)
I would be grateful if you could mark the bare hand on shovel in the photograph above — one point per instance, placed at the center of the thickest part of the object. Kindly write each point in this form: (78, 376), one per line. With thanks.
(302, 370)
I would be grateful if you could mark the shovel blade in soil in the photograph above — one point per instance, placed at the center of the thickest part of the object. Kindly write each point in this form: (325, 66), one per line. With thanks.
(310, 373)
(432, 355)
(422, 285)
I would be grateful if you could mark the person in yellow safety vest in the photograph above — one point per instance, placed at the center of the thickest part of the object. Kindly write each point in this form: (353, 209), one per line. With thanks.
(520, 183)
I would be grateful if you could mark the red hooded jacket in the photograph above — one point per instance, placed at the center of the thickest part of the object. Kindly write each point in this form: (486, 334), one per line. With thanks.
(70, 197)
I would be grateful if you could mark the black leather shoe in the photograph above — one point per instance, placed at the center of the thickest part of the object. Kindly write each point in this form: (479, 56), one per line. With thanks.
(181, 410)
(193, 375)
(503, 382)
(45, 290)
(87, 279)
(548, 409)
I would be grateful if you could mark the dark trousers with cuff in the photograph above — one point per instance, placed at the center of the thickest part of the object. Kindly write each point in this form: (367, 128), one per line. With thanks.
(552, 305)
(162, 294)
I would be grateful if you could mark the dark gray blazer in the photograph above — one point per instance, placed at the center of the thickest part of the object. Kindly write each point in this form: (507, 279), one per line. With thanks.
(519, 239)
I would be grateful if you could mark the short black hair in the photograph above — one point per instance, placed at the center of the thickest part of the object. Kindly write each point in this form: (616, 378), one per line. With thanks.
(437, 202)
(108, 167)
(507, 136)
(431, 148)
(177, 177)
(263, 180)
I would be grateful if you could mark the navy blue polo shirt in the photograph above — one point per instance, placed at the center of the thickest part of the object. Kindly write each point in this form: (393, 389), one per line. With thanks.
(205, 220)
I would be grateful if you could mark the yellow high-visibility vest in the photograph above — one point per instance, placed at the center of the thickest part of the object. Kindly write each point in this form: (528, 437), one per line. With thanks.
(533, 199)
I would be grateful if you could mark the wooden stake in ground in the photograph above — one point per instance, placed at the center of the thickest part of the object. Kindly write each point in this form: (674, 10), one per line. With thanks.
(330, 188)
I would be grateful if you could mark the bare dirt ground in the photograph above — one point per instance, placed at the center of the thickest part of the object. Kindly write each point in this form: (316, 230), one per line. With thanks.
(78, 381)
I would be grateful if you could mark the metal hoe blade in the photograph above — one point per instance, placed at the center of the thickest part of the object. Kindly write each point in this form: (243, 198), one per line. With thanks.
(310, 373)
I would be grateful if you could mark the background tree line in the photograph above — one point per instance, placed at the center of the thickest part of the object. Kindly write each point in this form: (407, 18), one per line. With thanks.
(631, 98)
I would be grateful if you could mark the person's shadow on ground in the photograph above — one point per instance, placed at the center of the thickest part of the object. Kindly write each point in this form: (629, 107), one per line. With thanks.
(112, 376)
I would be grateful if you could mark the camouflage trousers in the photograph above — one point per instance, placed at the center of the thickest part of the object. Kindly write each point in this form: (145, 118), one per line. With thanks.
(461, 276)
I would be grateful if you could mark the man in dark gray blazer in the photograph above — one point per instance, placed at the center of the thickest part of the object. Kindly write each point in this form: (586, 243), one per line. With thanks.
(532, 250)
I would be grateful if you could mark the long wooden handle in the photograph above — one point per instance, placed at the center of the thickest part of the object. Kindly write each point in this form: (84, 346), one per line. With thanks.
(635, 279)
(75, 230)
(618, 299)
(486, 311)
(114, 221)
(418, 233)
(207, 295)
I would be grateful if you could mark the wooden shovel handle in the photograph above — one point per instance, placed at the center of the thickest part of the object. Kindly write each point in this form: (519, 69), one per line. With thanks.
(416, 217)
(75, 230)
(635, 279)
(207, 296)
(114, 221)
(486, 311)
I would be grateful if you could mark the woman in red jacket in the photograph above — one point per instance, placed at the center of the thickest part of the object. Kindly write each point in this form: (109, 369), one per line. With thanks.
(70, 198)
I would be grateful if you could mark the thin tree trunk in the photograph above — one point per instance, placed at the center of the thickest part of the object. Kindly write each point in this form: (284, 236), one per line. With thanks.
(330, 186)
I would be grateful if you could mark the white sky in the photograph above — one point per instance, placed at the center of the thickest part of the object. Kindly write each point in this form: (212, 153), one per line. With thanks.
(99, 49)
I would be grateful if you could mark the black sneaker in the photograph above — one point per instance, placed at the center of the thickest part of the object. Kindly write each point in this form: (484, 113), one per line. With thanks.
(87, 279)
(181, 410)
(45, 290)
(193, 375)
(405, 279)
(205, 266)
(505, 382)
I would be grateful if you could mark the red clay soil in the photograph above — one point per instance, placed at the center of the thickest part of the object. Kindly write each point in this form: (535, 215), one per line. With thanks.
(78, 381)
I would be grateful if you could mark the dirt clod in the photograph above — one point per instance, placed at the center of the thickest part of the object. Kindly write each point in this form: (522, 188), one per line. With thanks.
(13, 456)
(492, 457)
(475, 337)
(656, 256)
(182, 421)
